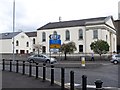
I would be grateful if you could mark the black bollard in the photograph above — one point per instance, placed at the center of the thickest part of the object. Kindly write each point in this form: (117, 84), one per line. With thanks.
(36, 70)
(23, 68)
(3, 63)
(71, 80)
(17, 66)
(10, 65)
(44, 71)
(62, 78)
(30, 69)
(84, 82)
(98, 84)
(52, 74)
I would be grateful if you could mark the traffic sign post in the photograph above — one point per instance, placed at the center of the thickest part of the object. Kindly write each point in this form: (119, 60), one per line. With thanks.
(54, 43)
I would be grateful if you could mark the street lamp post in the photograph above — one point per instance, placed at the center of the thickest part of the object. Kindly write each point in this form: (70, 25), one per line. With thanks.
(13, 27)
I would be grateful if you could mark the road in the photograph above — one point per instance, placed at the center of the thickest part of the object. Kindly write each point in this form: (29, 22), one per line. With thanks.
(107, 72)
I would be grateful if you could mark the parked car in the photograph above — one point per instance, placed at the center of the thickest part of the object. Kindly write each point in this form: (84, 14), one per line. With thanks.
(115, 58)
(41, 58)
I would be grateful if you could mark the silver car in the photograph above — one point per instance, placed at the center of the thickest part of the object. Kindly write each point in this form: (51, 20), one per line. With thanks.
(115, 58)
(41, 58)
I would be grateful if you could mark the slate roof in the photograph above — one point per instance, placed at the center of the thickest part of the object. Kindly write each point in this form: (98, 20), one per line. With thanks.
(31, 34)
(73, 23)
(8, 35)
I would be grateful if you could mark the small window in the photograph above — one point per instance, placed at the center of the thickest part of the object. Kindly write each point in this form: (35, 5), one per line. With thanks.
(80, 34)
(33, 40)
(16, 51)
(95, 34)
(27, 51)
(43, 37)
(17, 43)
(33, 50)
(27, 44)
(106, 37)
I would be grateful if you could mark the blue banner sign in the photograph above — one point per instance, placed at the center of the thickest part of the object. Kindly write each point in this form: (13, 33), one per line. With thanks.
(55, 42)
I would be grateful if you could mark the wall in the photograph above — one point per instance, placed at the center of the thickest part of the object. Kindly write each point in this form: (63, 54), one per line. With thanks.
(6, 45)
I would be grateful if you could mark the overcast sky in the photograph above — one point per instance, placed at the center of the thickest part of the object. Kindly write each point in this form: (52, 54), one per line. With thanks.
(32, 14)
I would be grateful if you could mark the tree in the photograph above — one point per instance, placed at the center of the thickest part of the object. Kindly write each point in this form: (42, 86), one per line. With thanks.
(100, 47)
(68, 48)
(38, 47)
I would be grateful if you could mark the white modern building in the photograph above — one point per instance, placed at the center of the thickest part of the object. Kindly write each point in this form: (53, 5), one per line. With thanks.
(82, 32)
(23, 42)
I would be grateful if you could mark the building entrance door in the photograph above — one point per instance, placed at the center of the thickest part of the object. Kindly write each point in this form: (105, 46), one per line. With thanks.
(22, 51)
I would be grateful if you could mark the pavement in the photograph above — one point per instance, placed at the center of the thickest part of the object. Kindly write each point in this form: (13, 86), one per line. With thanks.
(13, 81)
(17, 81)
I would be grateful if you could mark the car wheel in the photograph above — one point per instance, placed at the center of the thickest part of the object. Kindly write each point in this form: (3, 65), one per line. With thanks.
(47, 61)
(115, 62)
(32, 61)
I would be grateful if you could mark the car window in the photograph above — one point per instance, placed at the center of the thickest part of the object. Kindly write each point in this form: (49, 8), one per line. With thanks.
(118, 55)
(44, 56)
(35, 55)
(40, 56)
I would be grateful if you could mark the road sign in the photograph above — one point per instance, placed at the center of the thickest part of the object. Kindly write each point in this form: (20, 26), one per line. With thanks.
(54, 50)
(55, 46)
(54, 37)
(55, 42)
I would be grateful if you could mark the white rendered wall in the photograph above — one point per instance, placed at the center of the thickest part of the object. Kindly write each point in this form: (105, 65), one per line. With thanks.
(6, 46)
(23, 39)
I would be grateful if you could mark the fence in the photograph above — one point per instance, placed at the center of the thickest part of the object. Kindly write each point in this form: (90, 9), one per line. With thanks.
(18, 63)
(61, 56)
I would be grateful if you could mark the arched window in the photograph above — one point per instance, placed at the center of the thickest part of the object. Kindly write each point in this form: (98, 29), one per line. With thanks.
(43, 37)
(33, 40)
(17, 43)
(27, 44)
(80, 34)
(67, 33)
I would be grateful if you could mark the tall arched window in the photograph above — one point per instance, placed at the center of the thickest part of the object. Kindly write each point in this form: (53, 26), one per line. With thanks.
(67, 33)
(17, 43)
(80, 34)
(33, 40)
(43, 36)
